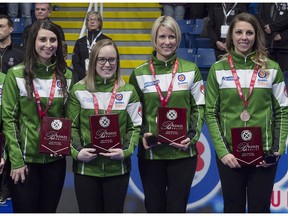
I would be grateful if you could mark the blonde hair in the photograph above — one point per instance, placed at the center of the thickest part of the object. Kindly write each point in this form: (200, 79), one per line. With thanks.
(99, 17)
(169, 23)
(89, 79)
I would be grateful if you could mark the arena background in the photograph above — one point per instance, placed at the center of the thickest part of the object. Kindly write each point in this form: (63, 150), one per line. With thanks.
(205, 196)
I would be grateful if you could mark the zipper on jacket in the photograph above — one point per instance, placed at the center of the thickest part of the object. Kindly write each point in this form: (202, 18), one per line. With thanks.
(2, 55)
(245, 59)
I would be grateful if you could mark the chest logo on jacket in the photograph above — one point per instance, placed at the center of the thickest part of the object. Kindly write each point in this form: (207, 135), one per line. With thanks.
(228, 78)
(59, 86)
(151, 83)
(263, 76)
(87, 99)
(11, 61)
(119, 97)
(119, 101)
(182, 84)
(181, 77)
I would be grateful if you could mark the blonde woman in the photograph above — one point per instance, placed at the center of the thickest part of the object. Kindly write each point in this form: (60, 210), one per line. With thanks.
(84, 45)
(101, 178)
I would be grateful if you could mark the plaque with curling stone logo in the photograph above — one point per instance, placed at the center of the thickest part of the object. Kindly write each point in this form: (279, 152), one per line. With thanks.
(247, 145)
(105, 133)
(55, 134)
(171, 124)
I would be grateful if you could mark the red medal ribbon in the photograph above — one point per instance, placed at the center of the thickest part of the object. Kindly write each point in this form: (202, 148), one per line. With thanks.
(238, 86)
(51, 97)
(164, 101)
(111, 102)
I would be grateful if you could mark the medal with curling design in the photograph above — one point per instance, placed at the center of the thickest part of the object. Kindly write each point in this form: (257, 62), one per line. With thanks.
(245, 116)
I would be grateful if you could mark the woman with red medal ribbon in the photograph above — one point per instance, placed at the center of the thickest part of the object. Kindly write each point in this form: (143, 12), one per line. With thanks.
(37, 179)
(165, 81)
(245, 91)
(102, 178)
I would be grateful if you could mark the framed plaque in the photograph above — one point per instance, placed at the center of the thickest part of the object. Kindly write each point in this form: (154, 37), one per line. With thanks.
(171, 124)
(55, 134)
(105, 133)
(247, 145)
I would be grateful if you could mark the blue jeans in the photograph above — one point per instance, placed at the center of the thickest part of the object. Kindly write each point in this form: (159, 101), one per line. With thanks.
(25, 11)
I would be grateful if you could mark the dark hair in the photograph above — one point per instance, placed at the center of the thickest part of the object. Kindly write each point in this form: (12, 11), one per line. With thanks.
(10, 22)
(31, 56)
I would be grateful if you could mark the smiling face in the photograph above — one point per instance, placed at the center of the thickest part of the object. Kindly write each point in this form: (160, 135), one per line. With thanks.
(46, 45)
(165, 43)
(243, 36)
(106, 70)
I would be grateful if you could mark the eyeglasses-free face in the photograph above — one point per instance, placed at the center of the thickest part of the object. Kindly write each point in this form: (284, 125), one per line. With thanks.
(46, 45)
(42, 11)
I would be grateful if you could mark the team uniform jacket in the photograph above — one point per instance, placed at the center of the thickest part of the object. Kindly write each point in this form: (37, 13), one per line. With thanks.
(20, 116)
(81, 106)
(268, 103)
(188, 92)
(80, 53)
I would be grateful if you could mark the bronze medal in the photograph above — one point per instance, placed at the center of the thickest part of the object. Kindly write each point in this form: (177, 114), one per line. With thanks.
(245, 116)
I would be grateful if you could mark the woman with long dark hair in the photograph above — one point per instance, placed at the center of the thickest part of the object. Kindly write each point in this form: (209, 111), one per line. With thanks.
(35, 89)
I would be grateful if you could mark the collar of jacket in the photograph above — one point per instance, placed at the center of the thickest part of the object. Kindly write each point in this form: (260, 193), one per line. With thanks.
(245, 60)
(157, 62)
(42, 69)
(9, 46)
(100, 81)
(92, 34)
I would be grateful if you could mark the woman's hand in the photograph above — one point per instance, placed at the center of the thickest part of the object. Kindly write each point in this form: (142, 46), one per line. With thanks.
(114, 154)
(87, 154)
(230, 160)
(19, 175)
(183, 145)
